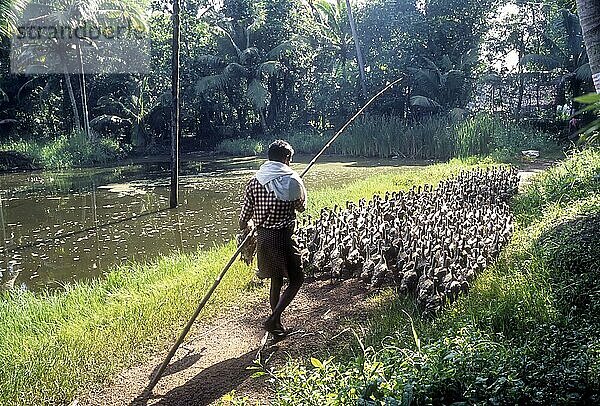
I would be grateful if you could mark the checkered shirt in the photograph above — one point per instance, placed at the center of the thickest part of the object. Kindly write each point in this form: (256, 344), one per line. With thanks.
(266, 210)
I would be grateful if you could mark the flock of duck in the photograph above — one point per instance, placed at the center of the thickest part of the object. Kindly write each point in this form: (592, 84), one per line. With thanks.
(430, 242)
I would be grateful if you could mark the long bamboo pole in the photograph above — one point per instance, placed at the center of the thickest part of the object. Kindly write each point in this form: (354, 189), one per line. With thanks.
(205, 299)
(175, 108)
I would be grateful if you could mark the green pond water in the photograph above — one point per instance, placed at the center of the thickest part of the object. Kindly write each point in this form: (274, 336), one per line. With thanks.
(60, 227)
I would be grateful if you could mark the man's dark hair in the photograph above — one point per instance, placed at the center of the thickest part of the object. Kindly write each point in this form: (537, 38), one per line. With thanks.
(280, 150)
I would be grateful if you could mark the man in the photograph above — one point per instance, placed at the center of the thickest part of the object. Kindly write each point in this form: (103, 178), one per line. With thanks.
(271, 200)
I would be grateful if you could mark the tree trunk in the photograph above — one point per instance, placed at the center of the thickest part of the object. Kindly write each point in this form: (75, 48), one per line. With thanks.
(263, 122)
(589, 14)
(76, 120)
(359, 57)
(84, 104)
(175, 108)
(520, 77)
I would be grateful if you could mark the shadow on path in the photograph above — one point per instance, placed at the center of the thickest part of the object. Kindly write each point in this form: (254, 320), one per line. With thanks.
(209, 385)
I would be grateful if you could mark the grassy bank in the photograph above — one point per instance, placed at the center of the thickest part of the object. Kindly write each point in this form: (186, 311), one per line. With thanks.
(54, 346)
(67, 151)
(437, 138)
(527, 333)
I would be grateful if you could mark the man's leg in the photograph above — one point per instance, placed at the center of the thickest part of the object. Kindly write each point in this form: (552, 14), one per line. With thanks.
(276, 285)
(288, 295)
(296, 278)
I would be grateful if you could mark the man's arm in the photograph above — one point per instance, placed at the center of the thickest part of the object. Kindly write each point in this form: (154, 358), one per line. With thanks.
(247, 206)
(297, 190)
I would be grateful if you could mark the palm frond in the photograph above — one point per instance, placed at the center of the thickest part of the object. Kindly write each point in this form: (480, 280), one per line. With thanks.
(234, 71)
(269, 68)
(545, 61)
(454, 82)
(3, 96)
(228, 35)
(249, 55)
(210, 83)
(427, 81)
(424, 102)
(429, 64)
(211, 61)
(584, 72)
(556, 51)
(258, 95)
(10, 10)
(106, 119)
(571, 27)
(281, 49)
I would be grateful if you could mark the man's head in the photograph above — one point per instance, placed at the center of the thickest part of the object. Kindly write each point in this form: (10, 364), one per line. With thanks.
(281, 151)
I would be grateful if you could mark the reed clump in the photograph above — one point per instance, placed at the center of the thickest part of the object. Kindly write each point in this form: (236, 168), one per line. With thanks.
(434, 138)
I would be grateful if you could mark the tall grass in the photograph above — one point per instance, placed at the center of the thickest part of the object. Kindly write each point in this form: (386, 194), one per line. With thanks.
(527, 333)
(67, 151)
(242, 146)
(54, 346)
(437, 138)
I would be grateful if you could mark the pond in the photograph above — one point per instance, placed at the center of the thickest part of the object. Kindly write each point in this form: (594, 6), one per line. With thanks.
(61, 227)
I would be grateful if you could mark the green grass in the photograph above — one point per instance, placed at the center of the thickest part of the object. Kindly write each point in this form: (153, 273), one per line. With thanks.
(67, 151)
(54, 346)
(527, 333)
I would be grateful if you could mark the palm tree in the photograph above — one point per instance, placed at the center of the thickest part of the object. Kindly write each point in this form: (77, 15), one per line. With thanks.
(565, 53)
(333, 36)
(442, 86)
(589, 13)
(247, 68)
(76, 14)
(132, 108)
(10, 11)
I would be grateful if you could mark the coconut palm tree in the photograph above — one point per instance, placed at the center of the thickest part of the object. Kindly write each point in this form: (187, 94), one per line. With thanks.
(442, 86)
(10, 11)
(75, 14)
(589, 14)
(132, 106)
(246, 68)
(335, 21)
(565, 53)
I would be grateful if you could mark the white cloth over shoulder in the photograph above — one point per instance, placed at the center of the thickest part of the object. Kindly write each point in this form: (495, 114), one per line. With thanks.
(280, 179)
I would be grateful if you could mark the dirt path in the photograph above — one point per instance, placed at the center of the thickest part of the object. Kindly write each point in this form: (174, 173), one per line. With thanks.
(527, 170)
(213, 361)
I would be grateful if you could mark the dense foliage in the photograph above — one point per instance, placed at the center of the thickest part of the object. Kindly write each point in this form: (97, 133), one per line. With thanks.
(275, 68)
